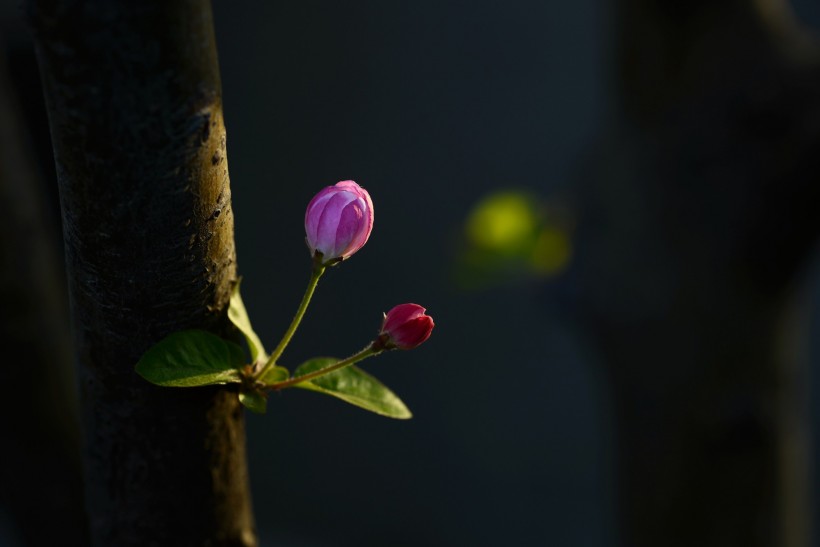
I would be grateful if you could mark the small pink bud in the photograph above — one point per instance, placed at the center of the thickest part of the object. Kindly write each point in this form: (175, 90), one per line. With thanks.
(338, 221)
(405, 327)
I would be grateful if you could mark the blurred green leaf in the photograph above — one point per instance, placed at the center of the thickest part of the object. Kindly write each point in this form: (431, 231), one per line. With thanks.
(275, 374)
(254, 401)
(511, 236)
(239, 317)
(191, 358)
(503, 222)
(354, 386)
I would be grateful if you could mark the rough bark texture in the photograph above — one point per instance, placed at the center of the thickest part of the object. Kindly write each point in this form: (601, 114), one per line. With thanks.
(702, 221)
(133, 95)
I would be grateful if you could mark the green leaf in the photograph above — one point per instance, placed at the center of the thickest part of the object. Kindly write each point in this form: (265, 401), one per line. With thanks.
(239, 317)
(355, 386)
(254, 401)
(275, 374)
(191, 358)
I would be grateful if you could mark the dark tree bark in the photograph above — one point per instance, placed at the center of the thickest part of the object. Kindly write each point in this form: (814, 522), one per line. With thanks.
(134, 101)
(702, 222)
(40, 460)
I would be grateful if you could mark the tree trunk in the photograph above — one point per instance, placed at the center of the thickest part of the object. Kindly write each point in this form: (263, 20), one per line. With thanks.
(40, 460)
(706, 213)
(134, 101)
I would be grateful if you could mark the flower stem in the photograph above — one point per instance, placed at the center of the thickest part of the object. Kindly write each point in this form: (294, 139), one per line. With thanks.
(369, 351)
(316, 273)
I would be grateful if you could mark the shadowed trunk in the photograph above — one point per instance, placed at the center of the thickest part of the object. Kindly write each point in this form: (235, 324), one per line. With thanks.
(705, 216)
(134, 102)
(39, 463)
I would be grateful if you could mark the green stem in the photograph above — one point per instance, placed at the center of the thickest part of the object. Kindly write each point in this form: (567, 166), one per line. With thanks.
(316, 273)
(369, 351)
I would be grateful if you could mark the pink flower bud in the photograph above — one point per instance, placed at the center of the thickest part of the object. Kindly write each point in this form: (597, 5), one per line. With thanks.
(405, 327)
(338, 221)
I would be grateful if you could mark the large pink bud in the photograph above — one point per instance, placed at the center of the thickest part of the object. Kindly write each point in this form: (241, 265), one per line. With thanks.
(405, 327)
(338, 221)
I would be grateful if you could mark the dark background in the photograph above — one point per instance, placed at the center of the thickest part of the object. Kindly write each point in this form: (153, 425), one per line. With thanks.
(431, 106)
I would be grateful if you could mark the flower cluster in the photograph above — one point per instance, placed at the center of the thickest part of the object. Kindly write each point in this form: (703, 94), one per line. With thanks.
(338, 222)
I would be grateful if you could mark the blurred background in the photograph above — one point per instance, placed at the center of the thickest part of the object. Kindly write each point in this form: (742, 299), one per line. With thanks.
(609, 208)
